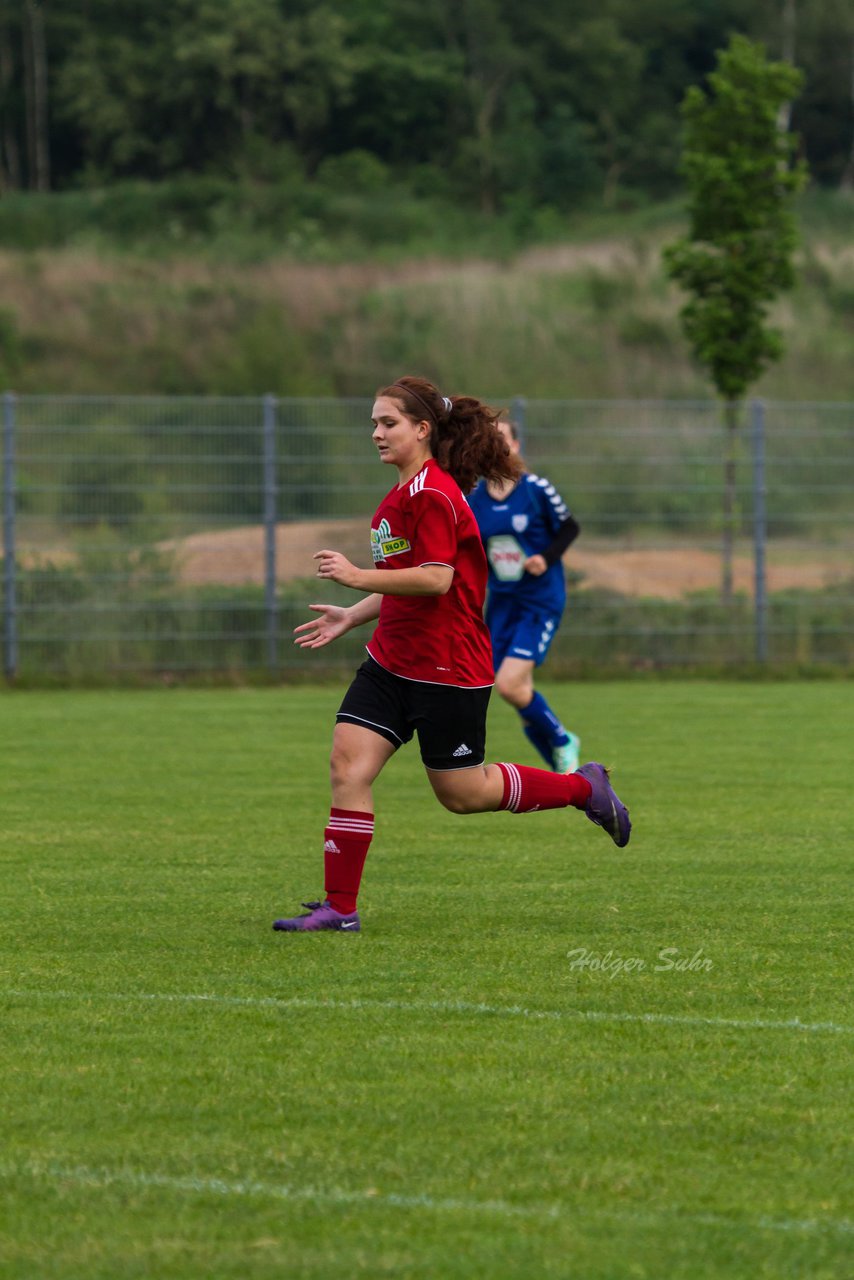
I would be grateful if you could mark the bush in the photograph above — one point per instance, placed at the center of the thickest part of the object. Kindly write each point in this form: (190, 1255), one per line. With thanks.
(10, 345)
(104, 486)
(638, 330)
(112, 615)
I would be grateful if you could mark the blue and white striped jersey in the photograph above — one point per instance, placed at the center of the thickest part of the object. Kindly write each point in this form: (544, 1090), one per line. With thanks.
(521, 525)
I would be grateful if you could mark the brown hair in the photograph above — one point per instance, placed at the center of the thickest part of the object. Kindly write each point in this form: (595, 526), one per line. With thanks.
(464, 438)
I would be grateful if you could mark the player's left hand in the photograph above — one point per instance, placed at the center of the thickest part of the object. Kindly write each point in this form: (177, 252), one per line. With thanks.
(536, 566)
(337, 568)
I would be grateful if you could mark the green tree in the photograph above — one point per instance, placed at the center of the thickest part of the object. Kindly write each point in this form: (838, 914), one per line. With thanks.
(742, 176)
(156, 89)
(479, 37)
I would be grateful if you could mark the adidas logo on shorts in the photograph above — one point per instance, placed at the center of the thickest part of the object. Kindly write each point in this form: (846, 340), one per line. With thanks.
(463, 750)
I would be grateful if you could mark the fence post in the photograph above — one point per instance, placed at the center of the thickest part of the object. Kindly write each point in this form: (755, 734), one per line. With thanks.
(760, 599)
(518, 406)
(270, 605)
(10, 611)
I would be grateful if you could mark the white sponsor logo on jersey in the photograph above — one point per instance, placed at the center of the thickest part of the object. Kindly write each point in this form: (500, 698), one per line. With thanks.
(506, 557)
(384, 544)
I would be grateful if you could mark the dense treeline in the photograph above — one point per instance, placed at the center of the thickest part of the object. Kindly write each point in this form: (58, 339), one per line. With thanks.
(486, 102)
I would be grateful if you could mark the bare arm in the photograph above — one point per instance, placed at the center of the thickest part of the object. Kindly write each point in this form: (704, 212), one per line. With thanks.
(334, 621)
(425, 580)
(365, 610)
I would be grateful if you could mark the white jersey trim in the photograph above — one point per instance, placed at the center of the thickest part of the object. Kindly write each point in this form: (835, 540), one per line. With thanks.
(349, 718)
(430, 489)
(442, 684)
(551, 492)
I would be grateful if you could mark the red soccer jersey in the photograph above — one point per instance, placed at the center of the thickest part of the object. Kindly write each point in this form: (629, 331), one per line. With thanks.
(435, 639)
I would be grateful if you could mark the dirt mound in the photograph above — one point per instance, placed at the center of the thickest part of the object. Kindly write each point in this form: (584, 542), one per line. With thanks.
(235, 557)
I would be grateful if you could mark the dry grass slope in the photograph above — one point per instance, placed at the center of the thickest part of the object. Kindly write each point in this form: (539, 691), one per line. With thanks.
(576, 320)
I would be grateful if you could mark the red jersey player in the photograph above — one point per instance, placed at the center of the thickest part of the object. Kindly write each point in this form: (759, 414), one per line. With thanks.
(438, 639)
(429, 667)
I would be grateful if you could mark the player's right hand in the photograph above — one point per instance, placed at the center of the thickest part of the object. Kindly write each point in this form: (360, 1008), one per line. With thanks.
(316, 633)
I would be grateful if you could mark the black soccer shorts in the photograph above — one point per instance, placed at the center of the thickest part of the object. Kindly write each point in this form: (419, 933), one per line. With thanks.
(450, 722)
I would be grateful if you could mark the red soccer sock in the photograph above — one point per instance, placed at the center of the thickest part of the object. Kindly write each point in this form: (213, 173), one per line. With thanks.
(346, 841)
(527, 789)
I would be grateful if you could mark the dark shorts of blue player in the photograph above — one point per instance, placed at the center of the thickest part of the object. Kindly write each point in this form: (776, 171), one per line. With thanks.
(519, 629)
(450, 722)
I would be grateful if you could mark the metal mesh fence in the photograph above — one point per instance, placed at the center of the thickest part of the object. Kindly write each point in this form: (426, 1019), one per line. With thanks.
(147, 536)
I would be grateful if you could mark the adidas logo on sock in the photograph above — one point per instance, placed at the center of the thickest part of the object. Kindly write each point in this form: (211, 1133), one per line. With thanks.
(462, 750)
(331, 847)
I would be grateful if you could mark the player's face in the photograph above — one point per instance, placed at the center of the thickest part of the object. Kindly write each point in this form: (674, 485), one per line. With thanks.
(399, 440)
(506, 431)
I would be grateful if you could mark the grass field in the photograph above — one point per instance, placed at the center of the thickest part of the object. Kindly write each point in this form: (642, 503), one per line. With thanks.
(459, 1091)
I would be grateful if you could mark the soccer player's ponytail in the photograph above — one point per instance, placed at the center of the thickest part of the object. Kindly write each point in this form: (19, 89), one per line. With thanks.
(464, 438)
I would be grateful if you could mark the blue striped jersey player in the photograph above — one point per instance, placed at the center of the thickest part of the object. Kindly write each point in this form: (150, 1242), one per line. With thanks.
(526, 527)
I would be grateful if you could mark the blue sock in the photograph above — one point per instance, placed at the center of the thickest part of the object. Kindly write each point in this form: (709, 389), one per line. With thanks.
(542, 744)
(540, 718)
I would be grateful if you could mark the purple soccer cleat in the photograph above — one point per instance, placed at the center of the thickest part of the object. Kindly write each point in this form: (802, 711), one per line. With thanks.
(320, 915)
(605, 807)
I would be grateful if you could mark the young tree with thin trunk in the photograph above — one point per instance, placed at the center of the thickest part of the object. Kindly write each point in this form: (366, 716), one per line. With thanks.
(742, 176)
(35, 92)
(846, 182)
(10, 164)
(788, 23)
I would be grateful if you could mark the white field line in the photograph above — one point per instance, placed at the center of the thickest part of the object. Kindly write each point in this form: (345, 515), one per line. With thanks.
(335, 1196)
(358, 1004)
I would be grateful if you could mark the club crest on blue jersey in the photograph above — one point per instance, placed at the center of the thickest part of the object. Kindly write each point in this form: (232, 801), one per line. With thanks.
(383, 544)
(520, 523)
